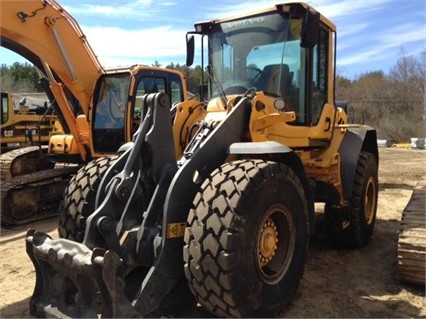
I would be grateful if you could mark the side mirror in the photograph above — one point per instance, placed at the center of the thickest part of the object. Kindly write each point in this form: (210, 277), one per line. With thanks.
(310, 29)
(190, 48)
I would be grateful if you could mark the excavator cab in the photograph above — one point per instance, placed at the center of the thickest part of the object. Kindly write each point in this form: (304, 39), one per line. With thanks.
(118, 104)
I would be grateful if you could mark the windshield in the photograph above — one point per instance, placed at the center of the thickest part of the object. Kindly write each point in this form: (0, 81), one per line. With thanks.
(261, 52)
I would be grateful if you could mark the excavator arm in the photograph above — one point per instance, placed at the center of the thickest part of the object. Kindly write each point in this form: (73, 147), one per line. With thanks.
(50, 38)
(45, 34)
(101, 109)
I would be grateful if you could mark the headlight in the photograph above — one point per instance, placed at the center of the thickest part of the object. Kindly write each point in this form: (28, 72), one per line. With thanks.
(279, 104)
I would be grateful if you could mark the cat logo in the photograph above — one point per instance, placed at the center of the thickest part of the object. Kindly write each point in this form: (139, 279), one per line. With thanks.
(8, 133)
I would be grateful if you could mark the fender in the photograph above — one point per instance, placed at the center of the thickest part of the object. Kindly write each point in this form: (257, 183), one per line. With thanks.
(283, 154)
(267, 147)
(356, 140)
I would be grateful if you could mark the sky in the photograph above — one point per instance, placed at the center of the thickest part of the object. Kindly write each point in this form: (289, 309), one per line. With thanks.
(371, 34)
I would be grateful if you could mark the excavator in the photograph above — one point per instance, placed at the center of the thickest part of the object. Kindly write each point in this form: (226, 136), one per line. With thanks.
(25, 132)
(92, 103)
(213, 204)
(25, 124)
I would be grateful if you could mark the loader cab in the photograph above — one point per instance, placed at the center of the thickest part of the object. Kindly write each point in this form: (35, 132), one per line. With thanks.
(285, 52)
(118, 103)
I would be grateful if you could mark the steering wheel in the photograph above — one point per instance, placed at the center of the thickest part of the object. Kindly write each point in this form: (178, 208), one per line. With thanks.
(236, 87)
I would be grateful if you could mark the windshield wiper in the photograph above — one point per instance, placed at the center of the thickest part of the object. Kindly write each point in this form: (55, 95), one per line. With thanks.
(217, 84)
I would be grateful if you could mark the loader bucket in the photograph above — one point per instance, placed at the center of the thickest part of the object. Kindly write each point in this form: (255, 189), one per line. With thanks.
(75, 281)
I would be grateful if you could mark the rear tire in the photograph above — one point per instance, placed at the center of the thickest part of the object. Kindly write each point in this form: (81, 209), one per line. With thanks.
(79, 198)
(353, 226)
(247, 239)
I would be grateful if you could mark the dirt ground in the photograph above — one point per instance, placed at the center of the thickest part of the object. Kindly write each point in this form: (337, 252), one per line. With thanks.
(336, 283)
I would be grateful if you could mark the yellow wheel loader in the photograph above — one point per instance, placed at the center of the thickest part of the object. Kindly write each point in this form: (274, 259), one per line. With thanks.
(92, 104)
(24, 124)
(214, 203)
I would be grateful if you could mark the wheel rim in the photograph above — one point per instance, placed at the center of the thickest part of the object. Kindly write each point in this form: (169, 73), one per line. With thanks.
(370, 200)
(275, 244)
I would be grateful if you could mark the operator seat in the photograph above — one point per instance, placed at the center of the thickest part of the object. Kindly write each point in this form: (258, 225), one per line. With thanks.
(269, 78)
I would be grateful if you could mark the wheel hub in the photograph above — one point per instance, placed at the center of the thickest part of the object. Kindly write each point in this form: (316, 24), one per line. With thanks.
(370, 201)
(268, 242)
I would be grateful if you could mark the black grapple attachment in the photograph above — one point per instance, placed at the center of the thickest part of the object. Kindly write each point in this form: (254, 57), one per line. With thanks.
(87, 279)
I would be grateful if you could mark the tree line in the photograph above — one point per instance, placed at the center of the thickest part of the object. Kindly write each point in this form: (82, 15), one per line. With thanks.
(19, 78)
(393, 103)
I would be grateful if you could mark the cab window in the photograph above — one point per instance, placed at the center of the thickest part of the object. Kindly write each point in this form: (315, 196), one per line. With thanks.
(4, 108)
(320, 67)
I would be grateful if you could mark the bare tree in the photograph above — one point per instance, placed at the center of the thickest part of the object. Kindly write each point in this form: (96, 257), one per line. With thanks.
(368, 95)
(395, 104)
(407, 81)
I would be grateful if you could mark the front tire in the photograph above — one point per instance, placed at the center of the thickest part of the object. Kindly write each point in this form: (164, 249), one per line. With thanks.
(79, 198)
(247, 238)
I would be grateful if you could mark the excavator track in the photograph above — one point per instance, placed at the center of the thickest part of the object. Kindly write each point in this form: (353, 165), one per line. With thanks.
(23, 161)
(412, 238)
(34, 196)
(31, 186)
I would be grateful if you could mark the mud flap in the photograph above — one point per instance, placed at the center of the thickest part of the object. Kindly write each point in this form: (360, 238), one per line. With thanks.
(74, 281)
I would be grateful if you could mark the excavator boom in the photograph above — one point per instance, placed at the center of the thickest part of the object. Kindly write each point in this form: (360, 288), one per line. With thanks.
(100, 109)
(44, 33)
